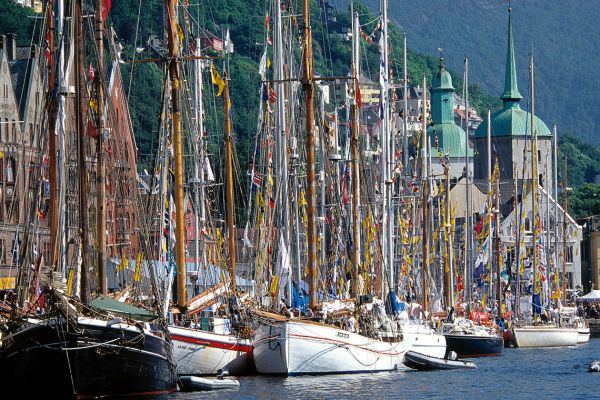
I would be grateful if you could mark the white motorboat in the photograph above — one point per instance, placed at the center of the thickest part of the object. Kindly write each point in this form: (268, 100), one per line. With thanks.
(544, 336)
(196, 383)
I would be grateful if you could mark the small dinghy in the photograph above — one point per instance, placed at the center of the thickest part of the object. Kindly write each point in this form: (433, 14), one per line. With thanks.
(594, 366)
(423, 362)
(196, 383)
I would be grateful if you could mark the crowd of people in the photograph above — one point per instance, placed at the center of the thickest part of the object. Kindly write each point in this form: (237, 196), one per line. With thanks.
(589, 309)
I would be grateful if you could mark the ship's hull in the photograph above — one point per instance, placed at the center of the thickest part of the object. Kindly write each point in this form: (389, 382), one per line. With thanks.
(468, 346)
(583, 334)
(544, 336)
(199, 352)
(297, 347)
(89, 360)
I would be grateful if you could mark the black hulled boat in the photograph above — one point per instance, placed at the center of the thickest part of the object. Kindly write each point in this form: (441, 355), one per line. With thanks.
(75, 354)
(468, 340)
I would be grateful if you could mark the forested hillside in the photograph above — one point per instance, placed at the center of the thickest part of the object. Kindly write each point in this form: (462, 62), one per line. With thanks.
(564, 37)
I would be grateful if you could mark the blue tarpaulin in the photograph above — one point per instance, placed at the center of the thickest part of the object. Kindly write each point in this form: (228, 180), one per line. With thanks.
(536, 304)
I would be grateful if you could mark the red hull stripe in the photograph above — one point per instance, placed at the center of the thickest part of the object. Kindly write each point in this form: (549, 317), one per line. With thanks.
(214, 344)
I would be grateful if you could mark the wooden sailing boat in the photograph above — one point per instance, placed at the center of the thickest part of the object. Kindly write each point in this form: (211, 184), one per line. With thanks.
(89, 351)
(202, 351)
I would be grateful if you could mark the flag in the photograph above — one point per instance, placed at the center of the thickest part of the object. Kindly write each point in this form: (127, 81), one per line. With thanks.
(262, 66)
(180, 35)
(272, 96)
(47, 47)
(91, 72)
(137, 274)
(247, 241)
(106, 6)
(267, 23)
(256, 180)
(216, 79)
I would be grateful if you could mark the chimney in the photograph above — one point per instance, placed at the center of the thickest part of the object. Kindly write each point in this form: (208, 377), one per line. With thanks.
(10, 46)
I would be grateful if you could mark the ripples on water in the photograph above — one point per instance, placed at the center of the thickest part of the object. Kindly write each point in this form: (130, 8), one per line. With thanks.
(531, 374)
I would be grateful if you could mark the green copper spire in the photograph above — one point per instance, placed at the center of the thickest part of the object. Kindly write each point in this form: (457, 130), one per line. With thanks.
(511, 92)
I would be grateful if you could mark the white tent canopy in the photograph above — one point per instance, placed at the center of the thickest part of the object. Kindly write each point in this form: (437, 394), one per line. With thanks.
(593, 295)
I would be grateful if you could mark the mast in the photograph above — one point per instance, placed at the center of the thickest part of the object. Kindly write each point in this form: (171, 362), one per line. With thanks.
(555, 171)
(534, 177)
(199, 169)
(490, 206)
(52, 161)
(355, 173)
(564, 234)
(468, 230)
(311, 191)
(405, 119)
(282, 138)
(173, 48)
(80, 110)
(387, 152)
(425, 199)
(100, 168)
(450, 244)
(498, 244)
(229, 183)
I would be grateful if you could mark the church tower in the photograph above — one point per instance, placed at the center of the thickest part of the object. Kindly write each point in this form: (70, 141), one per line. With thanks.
(511, 126)
(449, 137)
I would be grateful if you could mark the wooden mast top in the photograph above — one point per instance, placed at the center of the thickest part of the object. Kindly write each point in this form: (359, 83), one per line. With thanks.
(311, 191)
(229, 184)
(173, 61)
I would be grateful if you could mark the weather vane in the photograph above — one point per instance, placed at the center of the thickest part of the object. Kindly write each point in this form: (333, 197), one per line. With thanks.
(441, 50)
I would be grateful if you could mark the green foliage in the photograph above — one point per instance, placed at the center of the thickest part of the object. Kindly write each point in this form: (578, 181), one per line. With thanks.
(18, 20)
(584, 201)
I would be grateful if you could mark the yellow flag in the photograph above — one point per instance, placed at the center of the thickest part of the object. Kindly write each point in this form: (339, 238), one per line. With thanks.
(1, 155)
(180, 34)
(302, 200)
(216, 79)
(274, 283)
(137, 274)
(70, 280)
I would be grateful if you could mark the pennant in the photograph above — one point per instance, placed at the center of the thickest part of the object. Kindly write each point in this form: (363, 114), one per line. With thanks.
(216, 79)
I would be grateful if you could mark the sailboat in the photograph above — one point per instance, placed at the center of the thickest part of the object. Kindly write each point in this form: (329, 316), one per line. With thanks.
(563, 332)
(339, 339)
(220, 345)
(86, 348)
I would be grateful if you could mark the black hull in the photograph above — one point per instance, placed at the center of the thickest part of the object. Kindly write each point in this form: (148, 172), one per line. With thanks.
(468, 346)
(424, 362)
(56, 361)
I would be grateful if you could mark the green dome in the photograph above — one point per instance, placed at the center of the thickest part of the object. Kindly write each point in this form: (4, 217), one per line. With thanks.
(441, 80)
(451, 139)
(512, 121)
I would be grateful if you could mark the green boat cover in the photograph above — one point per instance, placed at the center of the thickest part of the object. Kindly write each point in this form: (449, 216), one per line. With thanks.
(125, 310)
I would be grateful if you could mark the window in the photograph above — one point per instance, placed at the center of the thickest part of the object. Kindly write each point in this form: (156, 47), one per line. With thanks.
(569, 254)
(10, 170)
(13, 137)
(31, 133)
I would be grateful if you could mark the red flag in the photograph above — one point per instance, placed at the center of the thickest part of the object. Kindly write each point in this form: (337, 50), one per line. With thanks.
(91, 130)
(358, 96)
(106, 6)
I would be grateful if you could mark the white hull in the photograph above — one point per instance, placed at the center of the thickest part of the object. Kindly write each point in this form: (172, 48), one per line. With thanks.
(583, 335)
(544, 336)
(198, 352)
(295, 347)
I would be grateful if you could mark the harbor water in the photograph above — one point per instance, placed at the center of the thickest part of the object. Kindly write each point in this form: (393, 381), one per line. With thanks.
(554, 373)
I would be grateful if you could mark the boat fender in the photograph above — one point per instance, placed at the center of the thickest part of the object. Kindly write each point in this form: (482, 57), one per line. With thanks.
(452, 356)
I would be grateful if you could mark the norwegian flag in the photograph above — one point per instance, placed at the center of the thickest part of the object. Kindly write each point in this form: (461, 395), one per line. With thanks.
(272, 96)
(269, 41)
(256, 179)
